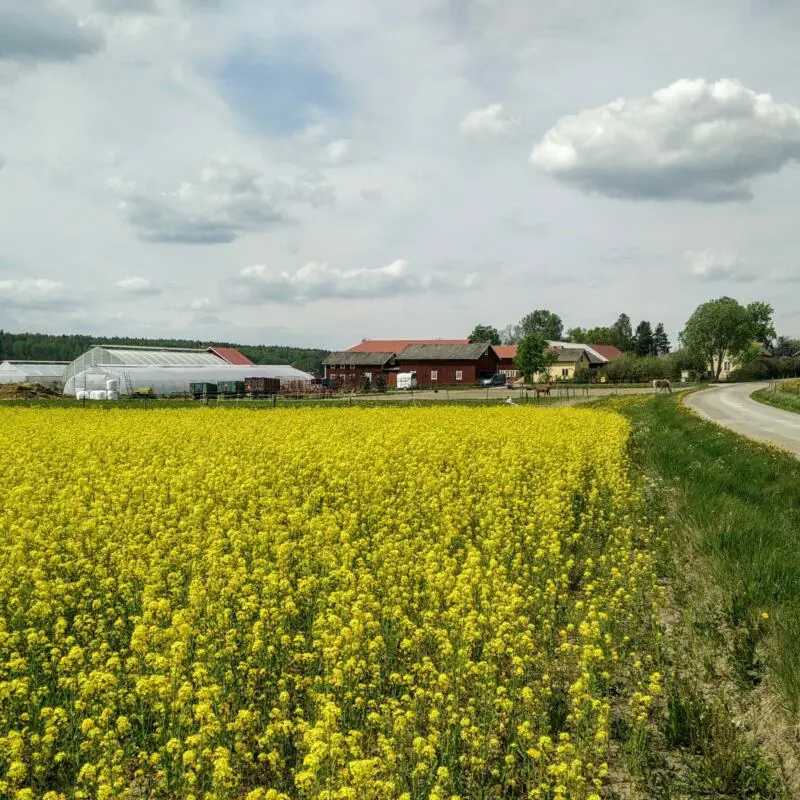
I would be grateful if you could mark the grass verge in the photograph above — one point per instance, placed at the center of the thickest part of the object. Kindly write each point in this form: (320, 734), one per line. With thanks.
(732, 630)
(788, 401)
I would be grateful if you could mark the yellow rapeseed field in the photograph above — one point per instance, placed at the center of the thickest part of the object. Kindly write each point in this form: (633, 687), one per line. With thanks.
(366, 603)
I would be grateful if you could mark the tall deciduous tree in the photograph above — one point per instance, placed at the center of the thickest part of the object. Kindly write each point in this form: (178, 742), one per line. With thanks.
(661, 345)
(600, 336)
(543, 323)
(644, 344)
(577, 335)
(723, 329)
(485, 333)
(532, 356)
(760, 314)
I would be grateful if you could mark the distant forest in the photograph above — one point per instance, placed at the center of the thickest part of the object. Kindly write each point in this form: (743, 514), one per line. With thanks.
(46, 347)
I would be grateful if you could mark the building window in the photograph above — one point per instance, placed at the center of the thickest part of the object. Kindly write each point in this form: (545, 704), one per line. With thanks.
(727, 366)
(368, 376)
(434, 374)
(459, 375)
(565, 372)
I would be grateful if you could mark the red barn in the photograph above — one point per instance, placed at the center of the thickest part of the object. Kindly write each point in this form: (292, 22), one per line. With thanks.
(351, 369)
(448, 364)
(396, 345)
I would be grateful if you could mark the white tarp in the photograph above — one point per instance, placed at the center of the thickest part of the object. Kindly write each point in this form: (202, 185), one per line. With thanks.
(175, 380)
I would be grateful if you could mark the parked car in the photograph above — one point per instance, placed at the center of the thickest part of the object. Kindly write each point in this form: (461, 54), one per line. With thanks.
(498, 379)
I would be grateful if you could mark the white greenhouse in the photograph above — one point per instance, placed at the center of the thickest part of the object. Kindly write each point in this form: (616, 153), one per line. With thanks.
(164, 370)
(45, 373)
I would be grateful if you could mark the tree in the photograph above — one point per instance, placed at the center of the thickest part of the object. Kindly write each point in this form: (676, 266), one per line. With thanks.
(661, 344)
(532, 356)
(784, 346)
(760, 314)
(577, 335)
(485, 333)
(644, 345)
(599, 336)
(544, 323)
(622, 333)
(718, 330)
(511, 334)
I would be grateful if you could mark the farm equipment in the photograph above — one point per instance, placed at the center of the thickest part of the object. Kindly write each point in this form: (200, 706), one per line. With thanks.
(201, 390)
(231, 388)
(262, 387)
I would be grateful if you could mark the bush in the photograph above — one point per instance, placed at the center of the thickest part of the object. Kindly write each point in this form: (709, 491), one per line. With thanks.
(764, 369)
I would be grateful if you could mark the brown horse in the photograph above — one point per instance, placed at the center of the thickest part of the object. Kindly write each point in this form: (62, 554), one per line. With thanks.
(542, 389)
(662, 384)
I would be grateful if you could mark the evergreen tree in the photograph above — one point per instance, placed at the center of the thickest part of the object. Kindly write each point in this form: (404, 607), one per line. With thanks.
(623, 333)
(644, 344)
(661, 344)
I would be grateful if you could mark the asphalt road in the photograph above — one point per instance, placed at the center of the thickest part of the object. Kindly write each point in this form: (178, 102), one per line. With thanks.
(733, 407)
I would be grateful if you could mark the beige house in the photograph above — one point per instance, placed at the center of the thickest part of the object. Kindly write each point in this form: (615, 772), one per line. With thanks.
(568, 361)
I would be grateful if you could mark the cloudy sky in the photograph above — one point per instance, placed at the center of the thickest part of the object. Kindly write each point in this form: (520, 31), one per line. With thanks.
(315, 173)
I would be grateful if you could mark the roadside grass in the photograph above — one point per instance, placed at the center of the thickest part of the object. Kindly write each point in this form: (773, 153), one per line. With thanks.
(781, 398)
(731, 564)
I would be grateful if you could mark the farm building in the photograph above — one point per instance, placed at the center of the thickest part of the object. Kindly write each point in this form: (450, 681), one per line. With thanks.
(46, 373)
(351, 369)
(396, 345)
(569, 360)
(448, 364)
(166, 370)
(596, 356)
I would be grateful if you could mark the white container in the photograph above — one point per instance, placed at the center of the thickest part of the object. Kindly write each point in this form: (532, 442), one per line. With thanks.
(112, 385)
(81, 394)
(98, 394)
(112, 394)
(406, 380)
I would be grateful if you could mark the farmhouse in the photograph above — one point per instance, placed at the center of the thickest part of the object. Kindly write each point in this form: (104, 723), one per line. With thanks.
(568, 358)
(448, 364)
(351, 369)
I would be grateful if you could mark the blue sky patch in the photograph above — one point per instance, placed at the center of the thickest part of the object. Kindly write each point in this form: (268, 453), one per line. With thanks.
(281, 91)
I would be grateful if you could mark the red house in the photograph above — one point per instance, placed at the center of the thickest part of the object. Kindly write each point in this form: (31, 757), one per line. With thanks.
(448, 364)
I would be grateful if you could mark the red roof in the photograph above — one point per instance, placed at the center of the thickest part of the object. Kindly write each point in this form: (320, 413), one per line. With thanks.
(507, 352)
(231, 355)
(396, 345)
(608, 351)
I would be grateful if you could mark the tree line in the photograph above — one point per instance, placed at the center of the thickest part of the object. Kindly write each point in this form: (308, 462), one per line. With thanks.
(48, 347)
(644, 341)
(719, 331)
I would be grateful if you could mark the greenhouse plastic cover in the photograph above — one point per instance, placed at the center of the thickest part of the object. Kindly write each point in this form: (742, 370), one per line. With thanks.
(175, 380)
(11, 372)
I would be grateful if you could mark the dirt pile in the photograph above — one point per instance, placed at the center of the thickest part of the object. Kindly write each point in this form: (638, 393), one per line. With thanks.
(26, 391)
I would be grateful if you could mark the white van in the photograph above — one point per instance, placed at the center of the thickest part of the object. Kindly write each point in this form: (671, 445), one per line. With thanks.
(406, 380)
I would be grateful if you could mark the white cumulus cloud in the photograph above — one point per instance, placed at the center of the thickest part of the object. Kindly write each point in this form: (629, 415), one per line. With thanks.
(137, 285)
(316, 281)
(719, 265)
(225, 202)
(201, 304)
(487, 122)
(31, 293)
(694, 140)
(336, 152)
